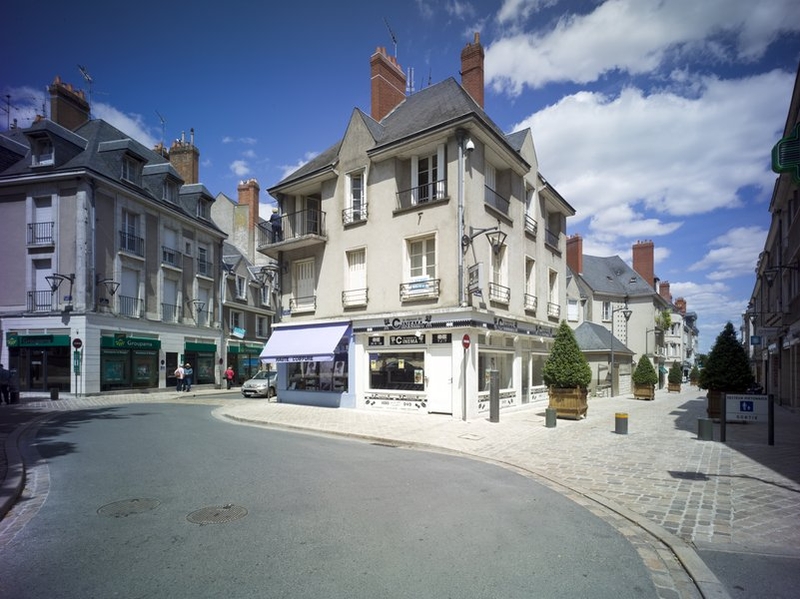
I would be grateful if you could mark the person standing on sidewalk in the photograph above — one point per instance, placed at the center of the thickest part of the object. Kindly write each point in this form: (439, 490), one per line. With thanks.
(179, 374)
(229, 376)
(187, 377)
(5, 381)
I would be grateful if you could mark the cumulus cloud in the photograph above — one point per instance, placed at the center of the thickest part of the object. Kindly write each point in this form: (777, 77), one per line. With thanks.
(240, 168)
(129, 123)
(733, 254)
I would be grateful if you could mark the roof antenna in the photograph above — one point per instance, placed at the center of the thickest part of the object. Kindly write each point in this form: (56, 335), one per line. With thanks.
(89, 81)
(391, 34)
(163, 126)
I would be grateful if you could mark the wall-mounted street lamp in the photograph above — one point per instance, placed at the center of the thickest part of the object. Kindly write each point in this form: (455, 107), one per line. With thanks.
(495, 236)
(771, 273)
(111, 285)
(626, 312)
(55, 280)
(198, 305)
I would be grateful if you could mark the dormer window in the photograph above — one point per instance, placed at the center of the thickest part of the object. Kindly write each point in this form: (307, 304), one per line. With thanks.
(169, 191)
(42, 152)
(202, 209)
(130, 169)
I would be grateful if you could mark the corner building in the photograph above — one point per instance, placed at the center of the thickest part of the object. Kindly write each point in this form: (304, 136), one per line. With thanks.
(416, 255)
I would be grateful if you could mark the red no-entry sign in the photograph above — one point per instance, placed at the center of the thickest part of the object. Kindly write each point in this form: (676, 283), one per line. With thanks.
(465, 341)
(77, 343)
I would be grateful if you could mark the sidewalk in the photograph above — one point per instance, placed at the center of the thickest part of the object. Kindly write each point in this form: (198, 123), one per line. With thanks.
(668, 491)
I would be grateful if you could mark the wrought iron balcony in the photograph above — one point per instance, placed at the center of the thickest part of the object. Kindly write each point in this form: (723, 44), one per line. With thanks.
(40, 233)
(499, 293)
(530, 302)
(495, 200)
(422, 194)
(354, 297)
(132, 244)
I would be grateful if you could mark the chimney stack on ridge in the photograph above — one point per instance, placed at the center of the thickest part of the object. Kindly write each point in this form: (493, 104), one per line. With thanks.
(472, 69)
(388, 84)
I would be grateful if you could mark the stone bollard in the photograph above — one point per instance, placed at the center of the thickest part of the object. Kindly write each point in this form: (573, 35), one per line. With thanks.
(705, 429)
(53, 393)
(550, 417)
(621, 423)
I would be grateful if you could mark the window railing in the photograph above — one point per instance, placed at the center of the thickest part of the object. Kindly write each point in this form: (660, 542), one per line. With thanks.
(292, 226)
(169, 255)
(499, 293)
(354, 297)
(170, 312)
(133, 244)
(422, 289)
(40, 233)
(354, 215)
(531, 226)
(551, 238)
(553, 310)
(306, 303)
(130, 306)
(41, 301)
(530, 302)
(495, 200)
(422, 194)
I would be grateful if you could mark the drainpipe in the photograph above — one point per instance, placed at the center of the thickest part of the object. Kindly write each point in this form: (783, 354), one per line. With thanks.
(460, 137)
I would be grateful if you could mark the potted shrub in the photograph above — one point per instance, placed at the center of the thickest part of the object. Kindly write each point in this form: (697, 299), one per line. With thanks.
(727, 370)
(674, 377)
(567, 375)
(644, 380)
(694, 375)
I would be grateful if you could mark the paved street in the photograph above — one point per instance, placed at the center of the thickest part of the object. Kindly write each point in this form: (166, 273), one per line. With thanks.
(672, 495)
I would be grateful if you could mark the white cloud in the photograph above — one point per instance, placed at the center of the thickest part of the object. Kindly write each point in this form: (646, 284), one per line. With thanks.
(288, 169)
(240, 168)
(733, 254)
(130, 124)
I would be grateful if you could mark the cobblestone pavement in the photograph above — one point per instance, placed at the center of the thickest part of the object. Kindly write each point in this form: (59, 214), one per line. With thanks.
(666, 490)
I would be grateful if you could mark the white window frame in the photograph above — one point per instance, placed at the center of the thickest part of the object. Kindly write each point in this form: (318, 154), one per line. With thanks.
(433, 188)
(43, 152)
(418, 248)
(241, 287)
(356, 209)
(236, 319)
(304, 292)
(130, 169)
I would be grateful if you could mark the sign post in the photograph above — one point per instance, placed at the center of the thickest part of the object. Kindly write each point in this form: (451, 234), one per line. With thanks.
(748, 408)
(76, 361)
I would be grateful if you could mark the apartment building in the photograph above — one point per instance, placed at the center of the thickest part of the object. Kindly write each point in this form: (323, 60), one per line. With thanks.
(110, 259)
(418, 257)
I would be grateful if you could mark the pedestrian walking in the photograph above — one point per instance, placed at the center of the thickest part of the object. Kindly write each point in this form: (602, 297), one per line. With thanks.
(179, 375)
(5, 381)
(187, 377)
(229, 376)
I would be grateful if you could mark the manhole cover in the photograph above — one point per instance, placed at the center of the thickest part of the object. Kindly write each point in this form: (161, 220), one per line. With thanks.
(128, 507)
(216, 514)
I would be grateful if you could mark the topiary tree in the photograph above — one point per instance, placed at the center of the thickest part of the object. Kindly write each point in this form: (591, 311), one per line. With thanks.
(645, 374)
(566, 366)
(675, 374)
(694, 375)
(727, 367)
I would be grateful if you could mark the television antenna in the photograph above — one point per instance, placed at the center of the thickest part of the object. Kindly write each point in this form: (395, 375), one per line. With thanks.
(89, 82)
(391, 34)
(163, 126)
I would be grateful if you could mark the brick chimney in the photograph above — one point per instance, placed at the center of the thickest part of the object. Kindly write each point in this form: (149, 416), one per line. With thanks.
(643, 261)
(575, 253)
(185, 157)
(248, 196)
(68, 106)
(388, 83)
(472, 69)
(663, 291)
(680, 304)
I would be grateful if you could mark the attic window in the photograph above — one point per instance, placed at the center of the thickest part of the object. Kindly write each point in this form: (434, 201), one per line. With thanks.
(42, 152)
(130, 169)
(202, 209)
(170, 191)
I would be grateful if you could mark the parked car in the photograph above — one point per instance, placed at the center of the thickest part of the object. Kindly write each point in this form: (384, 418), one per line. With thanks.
(263, 384)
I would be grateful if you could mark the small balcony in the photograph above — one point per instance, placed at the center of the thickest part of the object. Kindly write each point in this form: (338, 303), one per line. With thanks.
(40, 234)
(131, 244)
(421, 195)
(170, 313)
(41, 301)
(419, 290)
(306, 303)
(531, 226)
(169, 256)
(354, 215)
(496, 201)
(530, 302)
(130, 306)
(499, 293)
(292, 231)
(354, 298)
(553, 310)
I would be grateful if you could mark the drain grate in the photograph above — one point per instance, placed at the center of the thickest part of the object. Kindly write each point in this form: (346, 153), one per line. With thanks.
(128, 507)
(216, 514)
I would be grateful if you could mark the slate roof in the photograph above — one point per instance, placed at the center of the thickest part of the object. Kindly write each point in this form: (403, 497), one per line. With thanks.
(612, 276)
(592, 337)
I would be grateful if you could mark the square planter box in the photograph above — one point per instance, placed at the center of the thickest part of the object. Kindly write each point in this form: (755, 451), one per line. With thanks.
(647, 392)
(673, 387)
(569, 403)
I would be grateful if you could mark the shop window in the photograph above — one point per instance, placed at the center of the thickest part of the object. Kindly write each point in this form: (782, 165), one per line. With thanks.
(502, 362)
(397, 371)
(329, 375)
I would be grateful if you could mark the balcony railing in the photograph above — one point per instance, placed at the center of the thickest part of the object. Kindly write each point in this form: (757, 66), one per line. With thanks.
(306, 303)
(530, 302)
(130, 306)
(422, 194)
(553, 310)
(131, 244)
(40, 233)
(531, 226)
(354, 215)
(421, 289)
(354, 297)
(170, 313)
(41, 301)
(499, 293)
(169, 255)
(495, 200)
(295, 225)
(551, 238)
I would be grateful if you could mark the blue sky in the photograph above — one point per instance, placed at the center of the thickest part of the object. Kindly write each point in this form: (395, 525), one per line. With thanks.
(654, 119)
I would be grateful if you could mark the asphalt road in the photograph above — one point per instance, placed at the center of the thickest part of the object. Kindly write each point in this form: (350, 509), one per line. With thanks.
(164, 500)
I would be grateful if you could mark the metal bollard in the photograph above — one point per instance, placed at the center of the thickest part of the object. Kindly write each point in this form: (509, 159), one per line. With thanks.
(494, 396)
(705, 429)
(550, 417)
(53, 393)
(621, 423)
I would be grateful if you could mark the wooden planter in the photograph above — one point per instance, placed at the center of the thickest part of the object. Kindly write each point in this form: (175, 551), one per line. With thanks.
(673, 387)
(569, 403)
(647, 392)
(714, 406)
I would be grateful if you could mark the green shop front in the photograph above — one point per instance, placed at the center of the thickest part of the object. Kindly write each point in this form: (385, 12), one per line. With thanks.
(201, 356)
(128, 363)
(244, 359)
(39, 361)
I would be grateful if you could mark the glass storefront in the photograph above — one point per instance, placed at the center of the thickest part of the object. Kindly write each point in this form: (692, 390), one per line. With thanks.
(39, 362)
(201, 357)
(128, 363)
(503, 362)
(397, 370)
(327, 375)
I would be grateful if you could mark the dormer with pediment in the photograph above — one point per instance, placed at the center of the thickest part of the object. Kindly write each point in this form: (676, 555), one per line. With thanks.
(51, 145)
(125, 158)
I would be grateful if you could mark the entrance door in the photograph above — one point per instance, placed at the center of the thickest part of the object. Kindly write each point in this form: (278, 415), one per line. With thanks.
(439, 388)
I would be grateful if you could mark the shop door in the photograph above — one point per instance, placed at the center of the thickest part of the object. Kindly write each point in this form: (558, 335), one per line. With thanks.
(439, 372)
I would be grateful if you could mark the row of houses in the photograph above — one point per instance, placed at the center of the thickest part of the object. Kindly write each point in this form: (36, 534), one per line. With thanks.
(402, 265)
